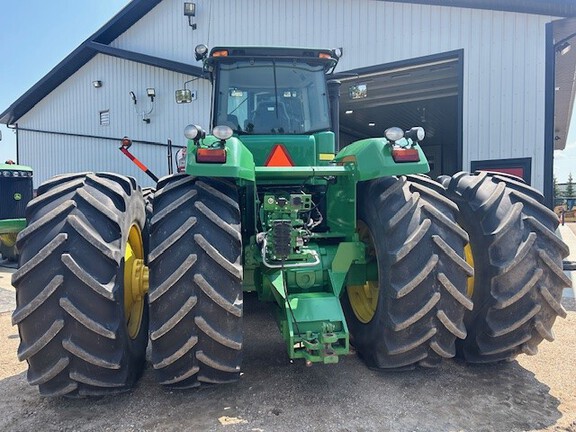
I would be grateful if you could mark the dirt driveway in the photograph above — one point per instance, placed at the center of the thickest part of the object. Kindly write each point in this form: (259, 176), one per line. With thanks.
(572, 226)
(534, 393)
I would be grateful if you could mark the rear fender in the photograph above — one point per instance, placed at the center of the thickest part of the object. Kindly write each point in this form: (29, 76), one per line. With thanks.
(372, 158)
(239, 161)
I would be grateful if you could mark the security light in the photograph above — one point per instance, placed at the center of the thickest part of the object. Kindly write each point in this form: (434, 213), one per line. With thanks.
(189, 9)
(133, 96)
(151, 92)
(190, 12)
(97, 84)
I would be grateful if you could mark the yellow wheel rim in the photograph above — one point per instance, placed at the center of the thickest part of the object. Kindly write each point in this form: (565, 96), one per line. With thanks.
(364, 298)
(135, 281)
(9, 240)
(470, 261)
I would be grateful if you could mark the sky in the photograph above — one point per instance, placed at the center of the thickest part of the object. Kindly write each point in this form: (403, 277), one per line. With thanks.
(35, 35)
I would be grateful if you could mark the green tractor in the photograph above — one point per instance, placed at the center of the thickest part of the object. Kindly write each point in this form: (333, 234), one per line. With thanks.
(349, 246)
(15, 192)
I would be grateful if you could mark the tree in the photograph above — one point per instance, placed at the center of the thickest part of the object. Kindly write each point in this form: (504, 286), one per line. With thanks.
(569, 187)
(556, 190)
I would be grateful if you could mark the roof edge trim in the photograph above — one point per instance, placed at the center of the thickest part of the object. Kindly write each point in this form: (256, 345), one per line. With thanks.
(557, 8)
(146, 59)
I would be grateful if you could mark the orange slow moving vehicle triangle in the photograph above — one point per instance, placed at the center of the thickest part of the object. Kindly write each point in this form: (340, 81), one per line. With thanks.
(279, 157)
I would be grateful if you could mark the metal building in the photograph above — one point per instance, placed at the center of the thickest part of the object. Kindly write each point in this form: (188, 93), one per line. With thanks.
(491, 81)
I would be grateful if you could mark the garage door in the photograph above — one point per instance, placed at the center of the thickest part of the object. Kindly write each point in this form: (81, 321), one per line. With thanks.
(423, 92)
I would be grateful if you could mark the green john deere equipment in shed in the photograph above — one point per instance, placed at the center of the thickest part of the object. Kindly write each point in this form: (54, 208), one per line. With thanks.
(15, 193)
(348, 246)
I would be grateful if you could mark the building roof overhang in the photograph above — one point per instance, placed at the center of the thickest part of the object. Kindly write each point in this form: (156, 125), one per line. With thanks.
(556, 8)
(98, 43)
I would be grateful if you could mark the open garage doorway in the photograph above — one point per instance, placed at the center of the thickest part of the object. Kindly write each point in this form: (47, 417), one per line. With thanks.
(424, 91)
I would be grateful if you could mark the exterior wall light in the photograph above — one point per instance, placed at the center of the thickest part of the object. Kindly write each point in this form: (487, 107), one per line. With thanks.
(563, 48)
(145, 114)
(190, 12)
(563, 45)
(151, 93)
(97, 84)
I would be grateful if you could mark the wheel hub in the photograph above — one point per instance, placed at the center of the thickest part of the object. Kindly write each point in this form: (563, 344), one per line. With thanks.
(470, 260)
(136, 278)
(364, 298)
(9, 240)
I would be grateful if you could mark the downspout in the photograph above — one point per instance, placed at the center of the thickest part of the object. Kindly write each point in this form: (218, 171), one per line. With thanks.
(15, 128)
(17, 144)
(549, 102)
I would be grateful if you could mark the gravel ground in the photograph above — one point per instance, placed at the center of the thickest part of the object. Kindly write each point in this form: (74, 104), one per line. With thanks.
(572, 226)
(533, 393)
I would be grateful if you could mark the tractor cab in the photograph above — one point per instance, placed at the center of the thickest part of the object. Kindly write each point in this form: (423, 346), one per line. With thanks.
(274, 96)
(260, 91)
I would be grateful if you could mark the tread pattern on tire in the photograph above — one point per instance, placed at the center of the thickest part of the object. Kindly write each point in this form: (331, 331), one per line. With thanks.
(422, 274)
(195, 282)
(518, 260)
(69, 294)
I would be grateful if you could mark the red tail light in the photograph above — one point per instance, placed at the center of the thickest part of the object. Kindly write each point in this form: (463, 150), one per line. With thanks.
(205, 155)
(405, 155)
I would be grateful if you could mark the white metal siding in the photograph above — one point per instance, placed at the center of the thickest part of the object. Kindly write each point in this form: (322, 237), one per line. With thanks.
(74, 107)
(504, 64)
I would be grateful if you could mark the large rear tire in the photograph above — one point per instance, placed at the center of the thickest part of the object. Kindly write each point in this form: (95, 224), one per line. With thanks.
(82, 330)
(196, 282)
(413, 313)
(518, 261)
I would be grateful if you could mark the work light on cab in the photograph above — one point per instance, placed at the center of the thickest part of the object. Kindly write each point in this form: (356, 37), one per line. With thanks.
(408, 152)
(200, 51)
(394, 134)
(222, 132)
(194, 132)
(416, 134)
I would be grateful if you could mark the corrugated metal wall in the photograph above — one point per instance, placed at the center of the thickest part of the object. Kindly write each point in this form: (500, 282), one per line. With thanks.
(74, 107)
(504, 56)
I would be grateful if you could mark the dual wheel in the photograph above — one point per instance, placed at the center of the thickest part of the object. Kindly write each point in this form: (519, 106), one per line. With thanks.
(83, 290)
(425, 238)
(82, 287)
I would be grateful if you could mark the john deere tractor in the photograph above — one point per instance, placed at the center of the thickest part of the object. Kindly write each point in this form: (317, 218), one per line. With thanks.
(15, 193)
(347, 246)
